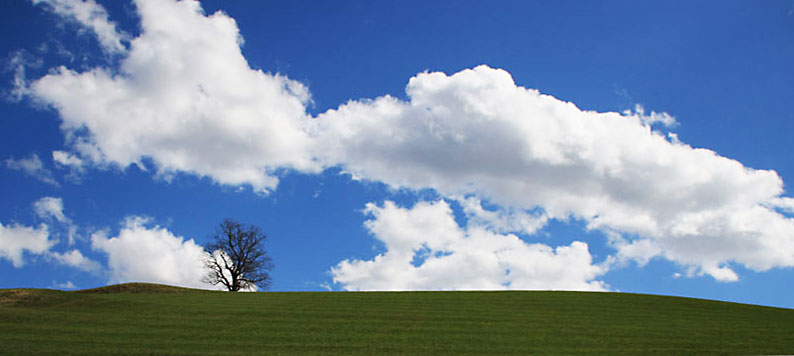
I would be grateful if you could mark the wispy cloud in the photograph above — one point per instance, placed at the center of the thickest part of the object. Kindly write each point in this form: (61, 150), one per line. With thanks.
(32, 166)
(17, 63)
(51, 207)
(68, 285)
(91, 16)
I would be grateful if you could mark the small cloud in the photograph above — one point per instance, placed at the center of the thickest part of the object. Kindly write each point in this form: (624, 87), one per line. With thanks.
(720, 273)
(76, 259)
(49, 208)
(66, 159)
(653, 117)
(676, 275)
(66, 285)
(17, 240)
(75, 164)
(318, 191)
(33, 167)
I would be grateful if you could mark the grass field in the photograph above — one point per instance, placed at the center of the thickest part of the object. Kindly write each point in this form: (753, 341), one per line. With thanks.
(147, 319)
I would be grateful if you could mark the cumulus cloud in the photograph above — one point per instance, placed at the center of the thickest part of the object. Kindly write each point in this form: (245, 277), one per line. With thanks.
(427, 250)
(185, 98)
(16, 240)
(143, 253)
(33, 167)
(477, 133)
(92, 16)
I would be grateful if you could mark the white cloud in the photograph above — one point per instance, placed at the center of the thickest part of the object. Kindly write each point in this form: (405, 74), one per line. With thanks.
(476, 133)
(15, 240)
(67, 159)
(66, 285)
(783, 203)
(427, 250)
(33, 167)
(92, 16)
(76, 259)
(51, 207)
(721, 274)
(75, 164)
(653, 117)
(18, 62)
(151, 254)
(186, 98)
(503, 220)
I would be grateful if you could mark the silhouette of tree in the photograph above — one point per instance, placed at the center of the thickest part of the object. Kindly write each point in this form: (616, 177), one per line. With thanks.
(237, 259)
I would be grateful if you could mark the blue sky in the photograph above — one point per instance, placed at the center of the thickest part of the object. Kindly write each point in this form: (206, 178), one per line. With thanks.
(623, 146)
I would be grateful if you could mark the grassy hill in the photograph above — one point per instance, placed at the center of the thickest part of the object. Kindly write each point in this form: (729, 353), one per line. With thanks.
(161, 320)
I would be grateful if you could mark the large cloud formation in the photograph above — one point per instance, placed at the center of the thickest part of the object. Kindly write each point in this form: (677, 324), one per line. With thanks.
(185, 99)
(477, 132)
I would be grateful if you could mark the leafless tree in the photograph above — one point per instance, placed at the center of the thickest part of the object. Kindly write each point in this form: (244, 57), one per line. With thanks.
(237, 258)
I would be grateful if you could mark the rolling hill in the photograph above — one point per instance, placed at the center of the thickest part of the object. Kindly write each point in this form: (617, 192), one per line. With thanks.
(147, 319)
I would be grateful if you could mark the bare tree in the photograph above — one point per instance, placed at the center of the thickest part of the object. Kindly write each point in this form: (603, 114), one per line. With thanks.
(237, 259)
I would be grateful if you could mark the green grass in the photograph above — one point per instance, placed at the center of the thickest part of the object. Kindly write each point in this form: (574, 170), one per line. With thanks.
(144, 319)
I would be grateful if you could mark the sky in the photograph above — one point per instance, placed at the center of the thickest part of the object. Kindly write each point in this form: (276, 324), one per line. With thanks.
(620, 146)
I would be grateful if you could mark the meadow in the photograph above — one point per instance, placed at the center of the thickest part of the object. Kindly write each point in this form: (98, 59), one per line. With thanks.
(145, 319)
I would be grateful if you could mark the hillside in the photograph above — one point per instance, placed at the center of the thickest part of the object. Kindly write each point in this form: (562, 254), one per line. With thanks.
(163, 320)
